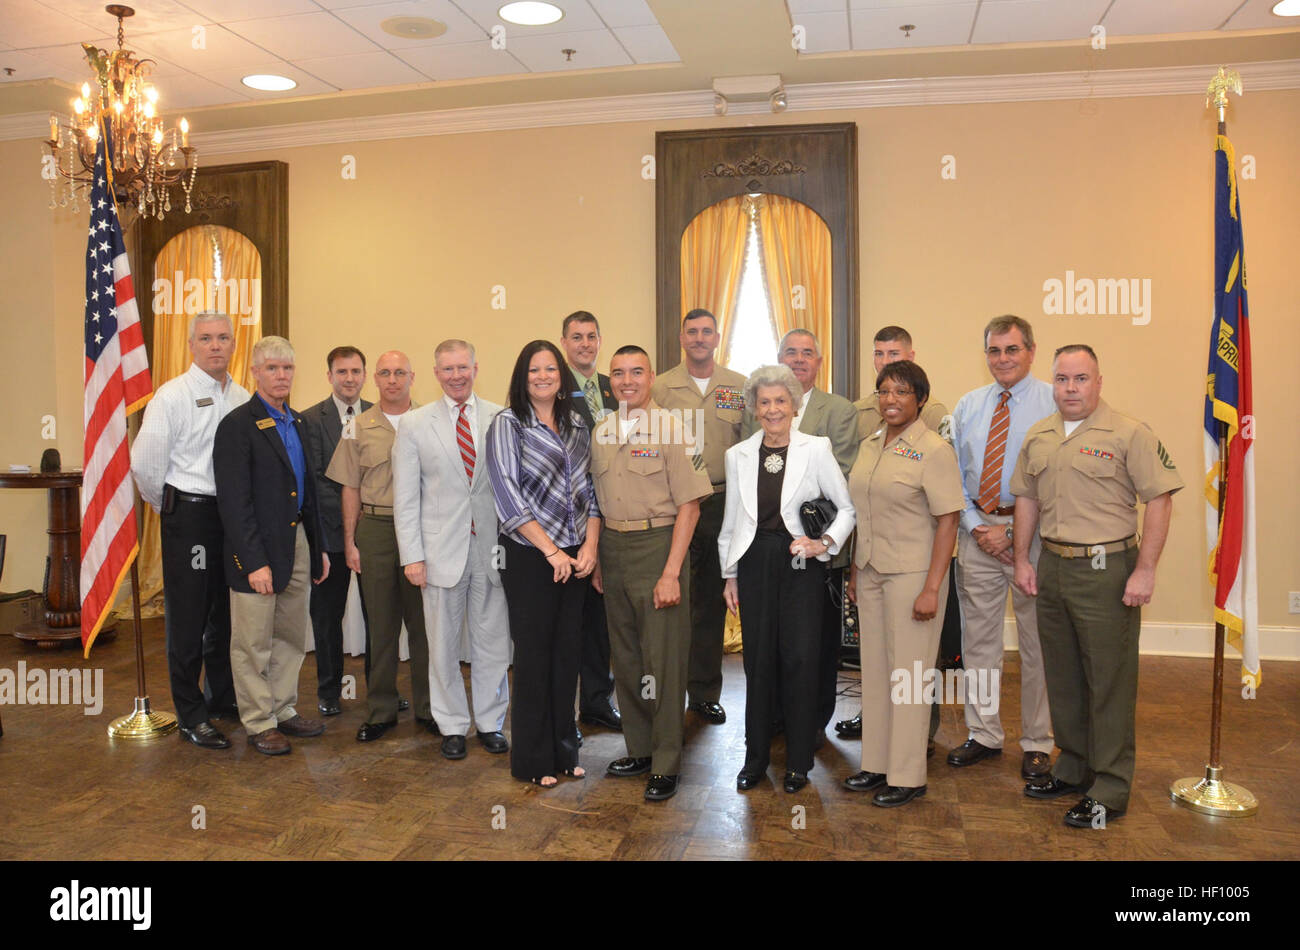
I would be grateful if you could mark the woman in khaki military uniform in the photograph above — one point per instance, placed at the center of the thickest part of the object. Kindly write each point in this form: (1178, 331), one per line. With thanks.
(906, 490)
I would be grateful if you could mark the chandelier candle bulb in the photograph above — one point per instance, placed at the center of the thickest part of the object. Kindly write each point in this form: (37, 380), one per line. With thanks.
(185, 134)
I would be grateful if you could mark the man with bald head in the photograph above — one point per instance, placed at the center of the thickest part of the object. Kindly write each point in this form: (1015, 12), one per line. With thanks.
(362, 464)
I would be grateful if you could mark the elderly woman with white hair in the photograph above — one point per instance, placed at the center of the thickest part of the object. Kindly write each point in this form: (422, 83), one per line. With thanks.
(774, 573)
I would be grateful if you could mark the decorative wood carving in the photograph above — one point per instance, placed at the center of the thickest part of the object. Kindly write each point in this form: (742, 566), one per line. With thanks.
(754, 165)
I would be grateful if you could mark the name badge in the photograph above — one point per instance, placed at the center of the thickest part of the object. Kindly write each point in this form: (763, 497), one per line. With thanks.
(266, 423)
(907, 453)
(729, 397)
(1096, 453)
(645, 453)
(205, 401)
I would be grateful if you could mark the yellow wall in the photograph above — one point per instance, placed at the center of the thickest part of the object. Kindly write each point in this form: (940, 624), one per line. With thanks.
(409, 252)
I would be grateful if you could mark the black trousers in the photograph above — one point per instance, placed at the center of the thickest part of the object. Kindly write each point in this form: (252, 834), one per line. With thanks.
(328, 601)
(781, 615)
(197, 610)
(596, 682)
(546, 627)
(708, 611)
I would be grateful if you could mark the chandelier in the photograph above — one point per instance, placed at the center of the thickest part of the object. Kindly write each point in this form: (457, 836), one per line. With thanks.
(147, 159)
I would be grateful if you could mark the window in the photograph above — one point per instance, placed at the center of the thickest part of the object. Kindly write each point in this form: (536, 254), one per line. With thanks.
(753, 339)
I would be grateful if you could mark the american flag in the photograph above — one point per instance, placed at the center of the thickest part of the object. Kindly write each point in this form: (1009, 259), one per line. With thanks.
(117, 383)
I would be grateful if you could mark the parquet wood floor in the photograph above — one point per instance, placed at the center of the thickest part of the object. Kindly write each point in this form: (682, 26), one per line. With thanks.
(67, 792)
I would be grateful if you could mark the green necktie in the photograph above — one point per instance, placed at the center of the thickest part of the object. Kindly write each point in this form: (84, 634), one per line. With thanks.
(593, 400)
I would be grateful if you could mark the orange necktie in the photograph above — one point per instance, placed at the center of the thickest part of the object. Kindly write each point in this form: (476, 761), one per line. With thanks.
(994, 449)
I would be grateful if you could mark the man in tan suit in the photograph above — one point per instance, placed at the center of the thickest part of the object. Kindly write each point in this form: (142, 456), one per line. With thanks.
(699, 385)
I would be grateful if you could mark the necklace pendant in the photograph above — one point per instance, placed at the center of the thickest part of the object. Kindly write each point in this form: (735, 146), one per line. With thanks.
(773, 463)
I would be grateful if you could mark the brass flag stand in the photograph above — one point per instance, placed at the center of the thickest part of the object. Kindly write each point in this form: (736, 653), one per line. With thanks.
(1211, 795)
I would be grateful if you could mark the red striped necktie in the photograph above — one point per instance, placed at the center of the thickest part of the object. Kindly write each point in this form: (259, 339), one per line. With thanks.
(466, 442)
(994, 449)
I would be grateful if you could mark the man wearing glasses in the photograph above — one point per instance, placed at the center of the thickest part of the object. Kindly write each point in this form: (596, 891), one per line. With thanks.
(989, 425)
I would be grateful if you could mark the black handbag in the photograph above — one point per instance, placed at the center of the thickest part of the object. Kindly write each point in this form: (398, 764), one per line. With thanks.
(817, 516)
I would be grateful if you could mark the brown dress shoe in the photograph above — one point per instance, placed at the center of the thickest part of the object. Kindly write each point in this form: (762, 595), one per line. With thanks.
(270, 742)
(302, 728)
(1035, 765)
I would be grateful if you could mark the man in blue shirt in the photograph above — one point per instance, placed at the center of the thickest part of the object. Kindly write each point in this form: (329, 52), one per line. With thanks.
(989, 425)
(267, 498)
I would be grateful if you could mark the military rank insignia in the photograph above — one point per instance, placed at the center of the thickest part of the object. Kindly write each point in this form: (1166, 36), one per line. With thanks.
(645, 453)
(729, 397)
(1163, 452)
(1096, 453)
(907, 453)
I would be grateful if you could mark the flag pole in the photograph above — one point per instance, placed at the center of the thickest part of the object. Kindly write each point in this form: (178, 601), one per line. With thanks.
(143, 723)
(1211, 795)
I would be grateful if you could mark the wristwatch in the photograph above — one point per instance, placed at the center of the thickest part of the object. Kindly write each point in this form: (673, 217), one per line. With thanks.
(827, 540)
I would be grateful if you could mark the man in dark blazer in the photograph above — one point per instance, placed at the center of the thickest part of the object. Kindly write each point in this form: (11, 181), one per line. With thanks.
(325, 424)
(266, 494)
(580, 337)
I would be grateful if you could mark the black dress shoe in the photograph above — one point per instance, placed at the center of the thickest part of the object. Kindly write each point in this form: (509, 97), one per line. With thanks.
(494, 742)
(205, 736)
(403, 704)
(864, 781)
(629, 765)
(453, 747)
(660, 787)
(1049, 787)
(609, 717)
(1091, 813)
(329, 707)
(712, 712)
(747, 780)
(850, 728)
(1035, 765)
(373, 730)
(891, 796)
(428, 724)
(970, 752)
(794, 781)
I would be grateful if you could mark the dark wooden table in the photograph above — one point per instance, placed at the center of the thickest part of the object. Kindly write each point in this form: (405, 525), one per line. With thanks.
(61, 622)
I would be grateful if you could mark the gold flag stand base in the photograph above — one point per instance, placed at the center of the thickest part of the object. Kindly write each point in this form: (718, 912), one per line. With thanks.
(143, 723)
(1213, 796)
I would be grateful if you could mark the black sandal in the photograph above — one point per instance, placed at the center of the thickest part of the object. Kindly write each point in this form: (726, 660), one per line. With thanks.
(537, 780)
(573, 772)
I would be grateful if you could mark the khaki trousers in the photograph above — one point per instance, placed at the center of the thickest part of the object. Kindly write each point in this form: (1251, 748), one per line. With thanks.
(894, 734)
(268, 639)
(982, 585)
(390, 600)
(650, 648)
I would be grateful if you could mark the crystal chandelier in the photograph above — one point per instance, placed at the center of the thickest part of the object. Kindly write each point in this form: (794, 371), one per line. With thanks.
(147, 158)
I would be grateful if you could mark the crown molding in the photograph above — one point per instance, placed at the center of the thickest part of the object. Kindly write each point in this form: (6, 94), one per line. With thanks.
(807, 97)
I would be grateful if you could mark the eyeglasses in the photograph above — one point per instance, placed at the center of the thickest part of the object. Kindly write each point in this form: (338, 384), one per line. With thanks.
(1013, 351)
(882, 393)
(386, 373)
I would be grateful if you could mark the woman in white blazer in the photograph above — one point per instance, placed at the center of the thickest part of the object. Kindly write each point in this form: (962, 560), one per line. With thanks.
(775, 575)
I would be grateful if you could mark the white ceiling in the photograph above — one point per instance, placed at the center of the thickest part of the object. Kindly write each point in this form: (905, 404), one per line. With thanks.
(203, 48)
(838, 25)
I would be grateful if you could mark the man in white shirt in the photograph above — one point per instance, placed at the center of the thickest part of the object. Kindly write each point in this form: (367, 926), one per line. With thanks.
(446, 525)
(171, 460)
(990, 425)
(326, 422)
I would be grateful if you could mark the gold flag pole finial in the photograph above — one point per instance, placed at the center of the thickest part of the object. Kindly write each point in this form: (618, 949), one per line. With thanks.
(1216, 93)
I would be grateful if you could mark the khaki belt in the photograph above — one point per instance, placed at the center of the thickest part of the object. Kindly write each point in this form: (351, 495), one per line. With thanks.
(1089, 550)
(645, 524)
(383, 510)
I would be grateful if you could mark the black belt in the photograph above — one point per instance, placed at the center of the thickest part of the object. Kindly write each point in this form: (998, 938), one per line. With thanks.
(201, 499)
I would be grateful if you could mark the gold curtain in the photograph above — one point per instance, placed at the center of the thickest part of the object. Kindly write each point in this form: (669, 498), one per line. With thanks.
(208, 253)
(796, 247)
(713, 251)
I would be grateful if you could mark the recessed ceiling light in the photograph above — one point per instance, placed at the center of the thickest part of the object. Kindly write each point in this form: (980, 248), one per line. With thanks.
(1287, 8)
(413, 27)
(530, 13)
(268, 83)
